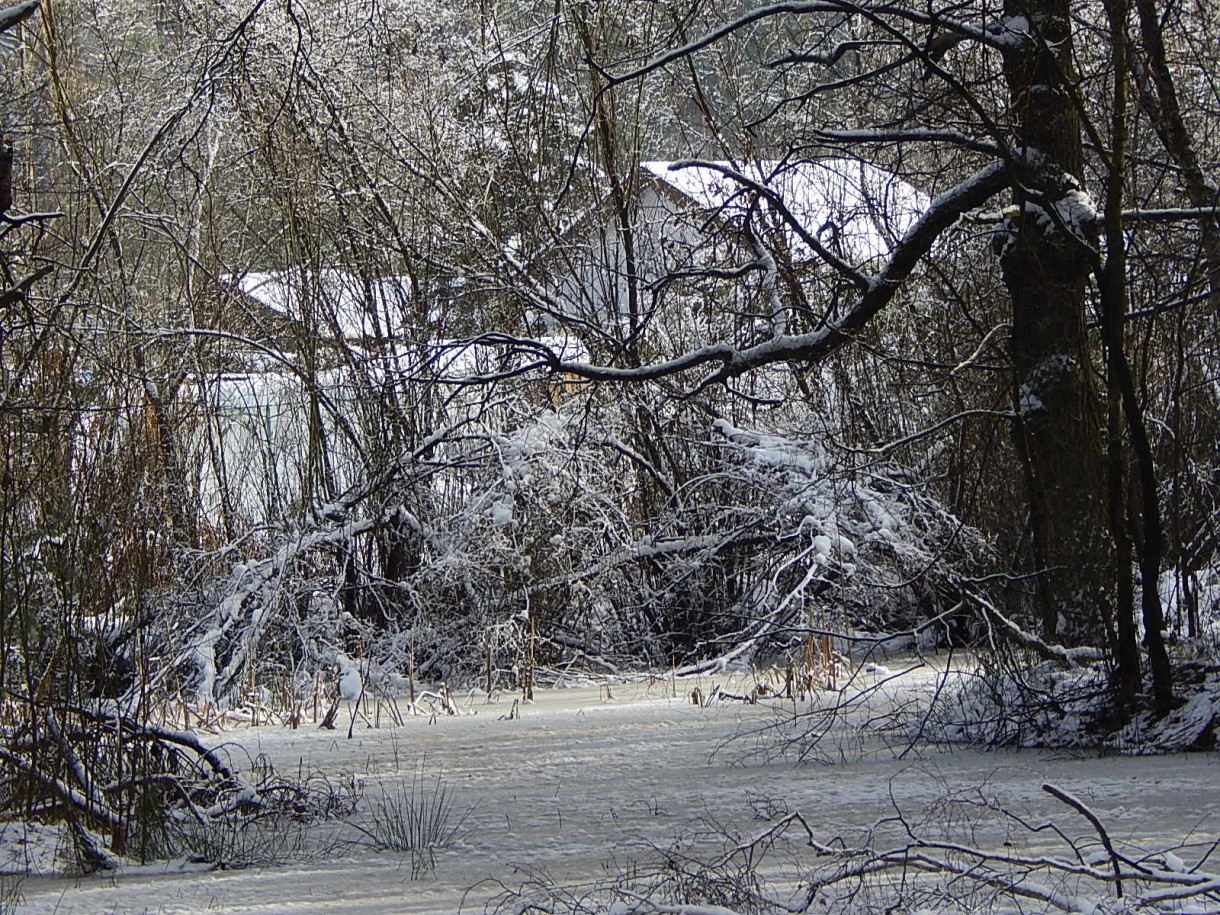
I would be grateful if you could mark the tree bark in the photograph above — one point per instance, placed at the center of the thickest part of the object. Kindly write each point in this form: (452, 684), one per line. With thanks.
(1046, 264)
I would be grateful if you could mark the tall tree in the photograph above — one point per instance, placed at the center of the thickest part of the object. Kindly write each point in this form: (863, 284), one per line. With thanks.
(973, 103)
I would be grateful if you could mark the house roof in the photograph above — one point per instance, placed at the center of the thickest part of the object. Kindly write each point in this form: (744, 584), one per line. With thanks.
(856, 209)
(343, 307)
(332, 300)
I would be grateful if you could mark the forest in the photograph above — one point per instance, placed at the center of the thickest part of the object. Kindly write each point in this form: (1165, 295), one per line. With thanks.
(413, 346)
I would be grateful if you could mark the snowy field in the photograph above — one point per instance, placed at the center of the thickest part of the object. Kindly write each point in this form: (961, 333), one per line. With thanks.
(581, 785)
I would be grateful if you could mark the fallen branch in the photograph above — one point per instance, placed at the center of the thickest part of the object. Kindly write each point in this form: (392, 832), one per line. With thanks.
(1067, 657)
(926, 869)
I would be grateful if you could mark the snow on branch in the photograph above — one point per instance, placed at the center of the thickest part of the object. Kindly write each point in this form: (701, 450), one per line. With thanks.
(730, 362)
(1067, 657)
(915, 135)
(245, 611)
(1171, 214)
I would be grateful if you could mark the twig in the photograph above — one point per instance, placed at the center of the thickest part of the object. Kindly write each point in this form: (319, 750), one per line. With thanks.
(1088, 814)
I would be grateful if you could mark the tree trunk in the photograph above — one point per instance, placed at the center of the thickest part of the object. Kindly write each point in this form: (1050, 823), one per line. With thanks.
(1113, 280)
(1046, 263)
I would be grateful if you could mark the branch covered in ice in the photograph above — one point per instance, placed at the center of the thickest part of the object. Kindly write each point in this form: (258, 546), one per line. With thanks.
(1067, 657)
(877, 292)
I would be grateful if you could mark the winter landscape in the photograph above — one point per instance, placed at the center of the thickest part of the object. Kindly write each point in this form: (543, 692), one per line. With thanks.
(609, 456)
(595, 796)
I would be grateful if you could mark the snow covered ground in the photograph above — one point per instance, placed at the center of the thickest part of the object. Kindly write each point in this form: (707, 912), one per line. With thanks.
(580, 785)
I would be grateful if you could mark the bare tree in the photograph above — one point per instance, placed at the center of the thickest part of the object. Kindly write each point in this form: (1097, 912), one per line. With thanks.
(971, 105)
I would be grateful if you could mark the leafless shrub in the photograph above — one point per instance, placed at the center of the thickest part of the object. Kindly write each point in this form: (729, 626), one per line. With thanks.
(539, 893)
(236, 842)
(418, 817)
(865, 712)
(134, 789)
(286, 820)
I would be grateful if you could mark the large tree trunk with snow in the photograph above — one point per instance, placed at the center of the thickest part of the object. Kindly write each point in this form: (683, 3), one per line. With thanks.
(1047, 258)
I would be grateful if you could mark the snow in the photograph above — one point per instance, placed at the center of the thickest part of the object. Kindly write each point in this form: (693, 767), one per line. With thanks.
(578, 786)
(351, 307)
(351, 683)
(204, 654)
(1078, 212)
(33, 848)
(1201, 586)
(854, 208)
(501, 512)
(1011, 32)
(1029, 402)
(1042, 376)
(1074, 212)
(1173, 863)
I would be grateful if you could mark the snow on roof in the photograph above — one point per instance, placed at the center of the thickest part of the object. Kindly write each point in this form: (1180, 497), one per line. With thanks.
(854, 208)
(343, 302)
(464, 359)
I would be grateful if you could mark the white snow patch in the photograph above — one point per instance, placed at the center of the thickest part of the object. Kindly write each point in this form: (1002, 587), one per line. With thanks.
(33, 848)
(1029, 402)
(501, 512)
(854, 208)
(1078, 212)
(351, 683)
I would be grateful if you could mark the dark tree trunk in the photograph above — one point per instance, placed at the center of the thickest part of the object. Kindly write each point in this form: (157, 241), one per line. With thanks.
(1046, 264)
(1113, 281)
(6, 176)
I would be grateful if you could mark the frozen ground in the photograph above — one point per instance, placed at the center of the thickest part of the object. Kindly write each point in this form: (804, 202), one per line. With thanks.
(579, 785)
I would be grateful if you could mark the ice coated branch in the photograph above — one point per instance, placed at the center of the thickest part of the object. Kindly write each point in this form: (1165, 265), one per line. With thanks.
(1066, 657)
(1089, 815)
(879, 290)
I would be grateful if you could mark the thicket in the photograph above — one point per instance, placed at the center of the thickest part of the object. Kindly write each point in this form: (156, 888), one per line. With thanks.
(431, 455)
